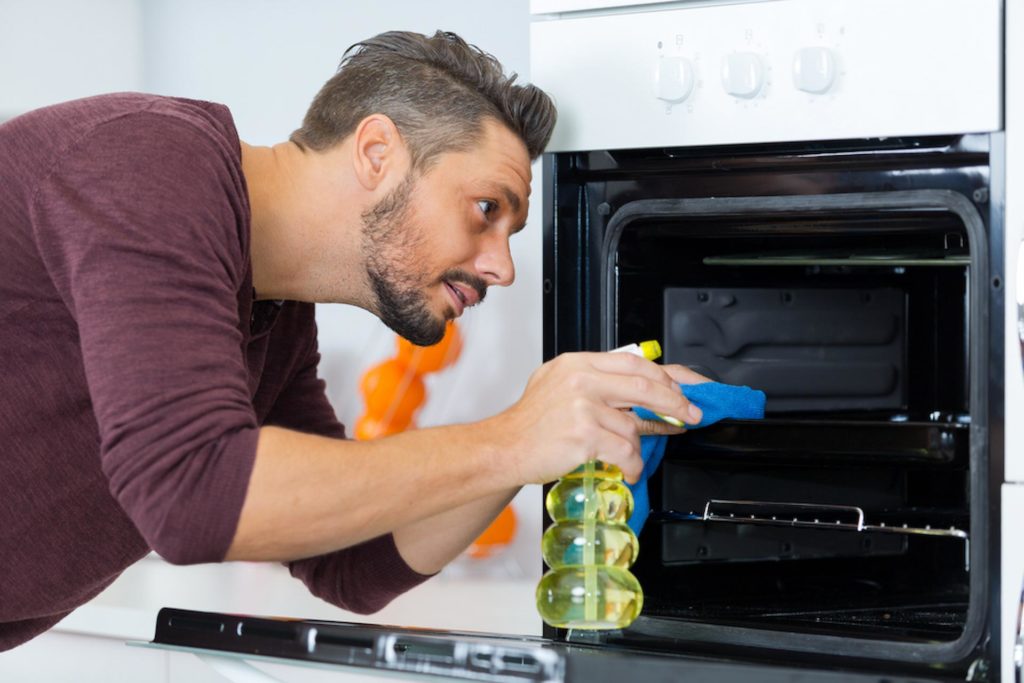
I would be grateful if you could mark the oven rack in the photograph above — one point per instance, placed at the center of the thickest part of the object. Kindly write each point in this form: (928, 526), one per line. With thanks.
(941, 442)
(886, 260)
(802, 515)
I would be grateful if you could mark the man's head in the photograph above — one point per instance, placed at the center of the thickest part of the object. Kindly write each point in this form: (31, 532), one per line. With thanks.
(438, 237)
(437, 90)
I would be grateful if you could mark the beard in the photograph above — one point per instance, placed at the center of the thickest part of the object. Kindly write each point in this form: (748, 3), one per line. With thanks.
(389, 240)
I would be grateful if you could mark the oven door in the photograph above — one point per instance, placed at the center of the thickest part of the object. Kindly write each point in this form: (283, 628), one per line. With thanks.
(229, 641)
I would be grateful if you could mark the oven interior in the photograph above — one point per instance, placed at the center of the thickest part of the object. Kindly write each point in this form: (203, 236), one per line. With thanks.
(847, 510)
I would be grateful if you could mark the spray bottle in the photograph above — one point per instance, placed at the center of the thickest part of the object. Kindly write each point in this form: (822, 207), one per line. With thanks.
(589, 548)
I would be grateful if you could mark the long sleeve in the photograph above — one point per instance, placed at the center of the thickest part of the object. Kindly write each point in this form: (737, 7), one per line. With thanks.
(142, 226)
(365, 577)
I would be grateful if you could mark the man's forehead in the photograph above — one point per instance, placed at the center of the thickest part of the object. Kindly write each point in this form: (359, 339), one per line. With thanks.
(500, 161)
(498, 136)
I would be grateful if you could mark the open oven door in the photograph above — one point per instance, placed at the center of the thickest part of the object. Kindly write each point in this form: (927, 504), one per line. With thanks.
(229, 641)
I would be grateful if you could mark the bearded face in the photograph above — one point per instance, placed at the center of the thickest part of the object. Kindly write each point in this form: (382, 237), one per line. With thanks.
(398, 269)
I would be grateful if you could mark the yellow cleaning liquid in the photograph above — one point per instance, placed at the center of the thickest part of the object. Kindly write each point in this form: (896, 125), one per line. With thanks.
(589, 548)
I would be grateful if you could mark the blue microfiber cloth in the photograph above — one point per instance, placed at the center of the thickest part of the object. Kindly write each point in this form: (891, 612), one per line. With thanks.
(718, 402)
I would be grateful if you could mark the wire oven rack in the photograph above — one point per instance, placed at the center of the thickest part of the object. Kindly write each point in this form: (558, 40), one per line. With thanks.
(807, 516)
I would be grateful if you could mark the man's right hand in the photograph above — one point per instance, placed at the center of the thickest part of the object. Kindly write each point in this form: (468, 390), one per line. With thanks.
(576, 408)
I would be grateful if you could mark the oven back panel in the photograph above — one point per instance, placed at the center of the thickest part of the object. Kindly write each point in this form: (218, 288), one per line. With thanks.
(806, 348)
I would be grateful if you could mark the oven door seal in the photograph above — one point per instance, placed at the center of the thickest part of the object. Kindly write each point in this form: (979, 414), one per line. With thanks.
(938, 200)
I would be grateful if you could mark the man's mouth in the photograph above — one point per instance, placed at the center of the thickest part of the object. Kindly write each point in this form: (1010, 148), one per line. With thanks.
(462, 295)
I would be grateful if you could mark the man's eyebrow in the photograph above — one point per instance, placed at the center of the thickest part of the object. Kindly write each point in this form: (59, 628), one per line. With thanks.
(512, 197)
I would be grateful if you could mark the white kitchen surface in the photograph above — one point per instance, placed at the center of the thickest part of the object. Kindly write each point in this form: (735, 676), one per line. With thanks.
(89, 644)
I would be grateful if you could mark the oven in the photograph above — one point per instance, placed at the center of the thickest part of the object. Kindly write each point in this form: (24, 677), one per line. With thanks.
(810, 198)
(815, 198)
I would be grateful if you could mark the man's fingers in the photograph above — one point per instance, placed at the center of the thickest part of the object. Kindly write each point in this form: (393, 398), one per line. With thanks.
(627, 391)
(578, 405)
(619, 442)
(641, 370)
(656, 427)
(681, 374)
(622, 423)
(628, 364)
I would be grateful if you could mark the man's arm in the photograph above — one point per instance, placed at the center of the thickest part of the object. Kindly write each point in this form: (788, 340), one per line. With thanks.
(309, 495)
(429, 544)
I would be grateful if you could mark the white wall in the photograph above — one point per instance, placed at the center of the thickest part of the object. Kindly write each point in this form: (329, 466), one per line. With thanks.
(266, 59)
(62, 49)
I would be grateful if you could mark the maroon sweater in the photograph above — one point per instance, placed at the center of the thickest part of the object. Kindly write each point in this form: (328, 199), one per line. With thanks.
(137, 369)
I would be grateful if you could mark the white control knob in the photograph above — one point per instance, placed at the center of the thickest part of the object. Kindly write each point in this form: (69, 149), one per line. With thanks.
(742, 74)
(814, 69)
(673, 79)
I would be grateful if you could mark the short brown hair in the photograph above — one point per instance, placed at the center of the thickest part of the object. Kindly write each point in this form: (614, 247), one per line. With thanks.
(437, 90)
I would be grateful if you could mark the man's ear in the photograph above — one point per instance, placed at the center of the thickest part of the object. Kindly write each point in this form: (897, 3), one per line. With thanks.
(379, 151)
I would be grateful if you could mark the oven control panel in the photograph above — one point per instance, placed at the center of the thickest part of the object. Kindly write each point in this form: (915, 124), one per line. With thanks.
(675, 74)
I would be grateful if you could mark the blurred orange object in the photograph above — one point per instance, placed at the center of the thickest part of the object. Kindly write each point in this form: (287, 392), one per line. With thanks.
(498, 535)
(424, 359)
(392, 392)
(368, 428)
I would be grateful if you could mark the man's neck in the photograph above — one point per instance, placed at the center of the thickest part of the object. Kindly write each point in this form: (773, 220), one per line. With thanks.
(284, 185)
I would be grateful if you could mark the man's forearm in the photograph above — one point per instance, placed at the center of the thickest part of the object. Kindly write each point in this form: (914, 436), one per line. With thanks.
(428, 544)
(309, 495)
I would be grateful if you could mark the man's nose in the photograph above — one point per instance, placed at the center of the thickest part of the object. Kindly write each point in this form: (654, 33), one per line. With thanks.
(495, 263)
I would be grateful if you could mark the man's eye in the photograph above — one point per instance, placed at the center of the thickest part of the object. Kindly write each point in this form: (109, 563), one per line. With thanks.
(487, 206)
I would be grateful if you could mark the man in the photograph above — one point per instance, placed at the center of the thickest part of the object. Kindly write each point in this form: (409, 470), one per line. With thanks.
(159, 346)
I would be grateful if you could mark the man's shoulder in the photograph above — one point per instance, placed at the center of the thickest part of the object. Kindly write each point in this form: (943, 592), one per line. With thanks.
(126, 124)
(150, 165)
(210, 117)
(100, 109)
(149, 114)
(61, 127)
